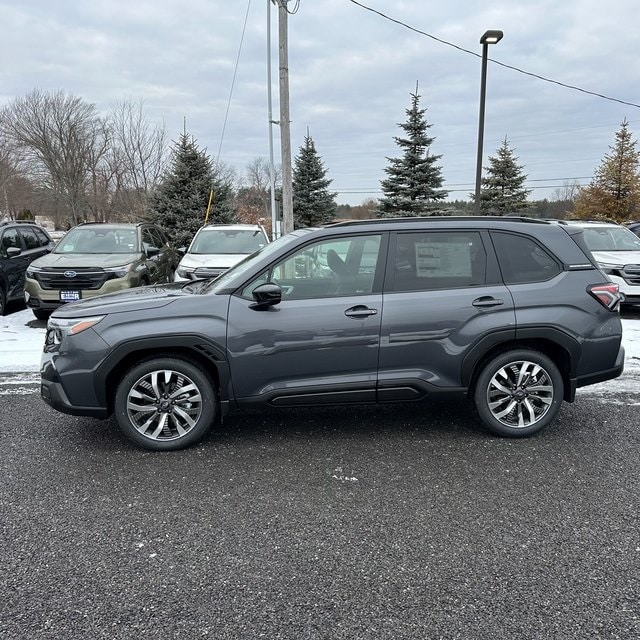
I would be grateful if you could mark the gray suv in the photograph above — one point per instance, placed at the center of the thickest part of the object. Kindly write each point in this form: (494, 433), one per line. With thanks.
(511, 313)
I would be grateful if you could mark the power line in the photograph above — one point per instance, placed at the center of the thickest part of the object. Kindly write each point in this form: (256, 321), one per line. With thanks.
(502, 64)
(233, 81)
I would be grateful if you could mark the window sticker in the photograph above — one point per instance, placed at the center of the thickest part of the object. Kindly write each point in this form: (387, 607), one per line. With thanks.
(443, 259)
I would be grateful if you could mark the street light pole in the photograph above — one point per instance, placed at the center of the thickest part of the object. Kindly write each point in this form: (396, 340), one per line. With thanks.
(489, 37)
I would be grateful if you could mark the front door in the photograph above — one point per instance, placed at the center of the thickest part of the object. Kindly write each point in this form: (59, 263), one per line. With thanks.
(320, 344)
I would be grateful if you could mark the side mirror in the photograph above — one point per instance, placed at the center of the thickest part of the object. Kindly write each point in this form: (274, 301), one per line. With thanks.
(181, 250)
(266, 295)
(152, 251)
(12, 252)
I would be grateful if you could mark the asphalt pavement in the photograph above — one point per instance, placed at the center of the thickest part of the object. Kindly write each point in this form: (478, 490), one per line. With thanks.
(382, 522)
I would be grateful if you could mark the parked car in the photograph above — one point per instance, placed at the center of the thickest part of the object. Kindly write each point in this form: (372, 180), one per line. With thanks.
(634, 226)
(217, 247)
(21, 242)
(617, 251)
(512, 313)
(96, 258)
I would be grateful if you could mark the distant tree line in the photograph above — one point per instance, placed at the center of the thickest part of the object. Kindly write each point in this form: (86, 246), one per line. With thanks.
(61, 159)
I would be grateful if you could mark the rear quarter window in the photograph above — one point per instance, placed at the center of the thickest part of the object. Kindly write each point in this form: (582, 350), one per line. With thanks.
(522, 259)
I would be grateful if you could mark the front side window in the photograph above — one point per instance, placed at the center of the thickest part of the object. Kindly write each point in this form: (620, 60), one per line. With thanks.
(331, 267)
(150, 240)
(43, 239)
(30, 238)
(426, 260)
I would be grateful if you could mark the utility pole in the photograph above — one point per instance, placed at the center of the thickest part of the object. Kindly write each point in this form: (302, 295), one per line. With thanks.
(285, 128)
(272, 175)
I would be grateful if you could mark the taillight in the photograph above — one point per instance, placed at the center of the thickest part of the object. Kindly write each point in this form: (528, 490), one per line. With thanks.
(607, 294)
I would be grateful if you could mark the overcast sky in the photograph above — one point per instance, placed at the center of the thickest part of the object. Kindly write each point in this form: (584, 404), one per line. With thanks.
(351, 73)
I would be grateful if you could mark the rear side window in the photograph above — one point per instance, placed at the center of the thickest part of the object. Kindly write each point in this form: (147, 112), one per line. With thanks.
(522, 259)
(438, 260)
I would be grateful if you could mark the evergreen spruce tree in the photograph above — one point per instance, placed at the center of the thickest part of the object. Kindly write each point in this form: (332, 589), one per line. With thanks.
(413, 185)
(179, 204)
(614, 191)
(313, 203)
(502, 191)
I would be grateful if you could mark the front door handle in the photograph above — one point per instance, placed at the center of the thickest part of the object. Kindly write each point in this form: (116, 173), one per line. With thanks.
(360, 311)
(487, 301)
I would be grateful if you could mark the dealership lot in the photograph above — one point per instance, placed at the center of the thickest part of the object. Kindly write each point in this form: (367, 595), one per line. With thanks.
(387, 522)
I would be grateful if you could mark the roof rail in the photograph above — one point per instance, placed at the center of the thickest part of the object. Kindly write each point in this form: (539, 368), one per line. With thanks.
(409, 219)
(4, 223)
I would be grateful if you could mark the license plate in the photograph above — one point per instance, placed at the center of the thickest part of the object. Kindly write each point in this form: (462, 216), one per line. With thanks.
(69, 296)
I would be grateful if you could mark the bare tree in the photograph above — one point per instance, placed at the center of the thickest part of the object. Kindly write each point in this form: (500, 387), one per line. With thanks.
(255, 193)
(137, 157)
(61, 136)
(567, 192)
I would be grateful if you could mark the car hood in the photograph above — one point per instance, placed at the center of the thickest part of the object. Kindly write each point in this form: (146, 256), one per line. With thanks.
(211, 260)
(151, 297)
(76, 260)
(617, 257)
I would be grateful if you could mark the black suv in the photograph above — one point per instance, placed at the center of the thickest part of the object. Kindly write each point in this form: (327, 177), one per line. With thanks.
(21, 242)
(512, 313)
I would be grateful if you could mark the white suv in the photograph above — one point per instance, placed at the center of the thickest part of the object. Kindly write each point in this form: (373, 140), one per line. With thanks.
(617, 252)
(217, 247)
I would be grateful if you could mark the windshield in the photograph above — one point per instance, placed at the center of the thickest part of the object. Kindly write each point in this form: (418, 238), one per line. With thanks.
(235, 273)
(611, 239)
(227, 241)
(101, 240)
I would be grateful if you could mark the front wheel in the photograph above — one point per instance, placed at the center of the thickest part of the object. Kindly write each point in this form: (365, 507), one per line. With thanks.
(518, 393)
(41, 314)
(165, 404)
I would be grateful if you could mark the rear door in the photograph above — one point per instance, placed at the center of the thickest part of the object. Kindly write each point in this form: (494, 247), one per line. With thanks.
(443, 299)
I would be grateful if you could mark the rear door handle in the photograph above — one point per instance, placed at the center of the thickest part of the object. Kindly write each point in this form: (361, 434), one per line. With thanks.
(487, 301)
(360, 311)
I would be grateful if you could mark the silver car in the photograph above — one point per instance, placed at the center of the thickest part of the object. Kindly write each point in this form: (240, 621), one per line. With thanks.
(218, 247)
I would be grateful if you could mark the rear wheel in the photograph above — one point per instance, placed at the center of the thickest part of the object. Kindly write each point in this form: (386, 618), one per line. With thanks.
(165, 404)
(519, 393)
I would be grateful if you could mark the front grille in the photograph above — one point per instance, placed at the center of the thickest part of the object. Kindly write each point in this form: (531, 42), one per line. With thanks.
(631, 273)
(208, 272)
(85, 278)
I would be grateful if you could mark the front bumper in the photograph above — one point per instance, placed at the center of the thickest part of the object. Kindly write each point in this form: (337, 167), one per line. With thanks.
(77, 395)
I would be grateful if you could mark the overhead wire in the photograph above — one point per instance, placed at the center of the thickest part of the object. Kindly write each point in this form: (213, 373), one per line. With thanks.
(502, 64)
(233, 81)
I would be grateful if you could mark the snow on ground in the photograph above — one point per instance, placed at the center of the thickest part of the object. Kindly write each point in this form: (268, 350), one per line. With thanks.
(22, 337)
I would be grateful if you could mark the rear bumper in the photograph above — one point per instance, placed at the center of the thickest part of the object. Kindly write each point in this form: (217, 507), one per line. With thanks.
(600, 376)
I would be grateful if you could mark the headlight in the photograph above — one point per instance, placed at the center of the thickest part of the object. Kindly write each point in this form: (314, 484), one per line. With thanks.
(58, 329)
(610, 267)
(119, 272)
(31, 271)
(184, 272)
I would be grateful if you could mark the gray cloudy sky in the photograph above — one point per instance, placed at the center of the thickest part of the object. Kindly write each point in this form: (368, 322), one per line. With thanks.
(351, 73)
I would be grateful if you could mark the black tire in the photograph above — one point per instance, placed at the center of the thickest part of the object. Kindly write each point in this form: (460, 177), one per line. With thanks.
(168, 418)
(518, 393)
(41, 314)
(3, 301)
